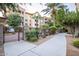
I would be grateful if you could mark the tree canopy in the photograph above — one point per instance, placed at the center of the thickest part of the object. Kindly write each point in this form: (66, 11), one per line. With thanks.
(14, 20)
(10, 6)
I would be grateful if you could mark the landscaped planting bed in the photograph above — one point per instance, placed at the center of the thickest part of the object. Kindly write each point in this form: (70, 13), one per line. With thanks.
(71, 49)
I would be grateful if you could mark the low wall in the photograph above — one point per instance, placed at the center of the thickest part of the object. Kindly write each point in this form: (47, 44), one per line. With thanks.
(1, 34)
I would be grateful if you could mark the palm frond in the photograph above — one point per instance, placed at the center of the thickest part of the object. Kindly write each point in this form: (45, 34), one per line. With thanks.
(46, 11)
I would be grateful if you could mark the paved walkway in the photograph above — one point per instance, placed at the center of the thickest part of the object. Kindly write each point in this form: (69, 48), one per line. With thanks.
(56, 46)
(1, 50)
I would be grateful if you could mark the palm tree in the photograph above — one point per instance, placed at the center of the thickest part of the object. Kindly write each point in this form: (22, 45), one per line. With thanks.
(52, 8)
(10, 6)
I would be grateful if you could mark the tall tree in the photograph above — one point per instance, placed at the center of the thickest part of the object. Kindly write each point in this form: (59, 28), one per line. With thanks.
(60, 15)
(14, 20)
(52, 8)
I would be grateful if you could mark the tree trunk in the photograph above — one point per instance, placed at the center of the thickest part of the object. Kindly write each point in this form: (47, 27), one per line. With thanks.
(76, 32)
(18, 34)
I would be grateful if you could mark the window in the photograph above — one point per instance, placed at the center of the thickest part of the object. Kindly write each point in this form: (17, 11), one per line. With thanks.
(22, 17)
(36, 24)
(30, 20)
(25, 23)
(19, 11)
(29, 28)
(25, 19)
(36, 20)
(45, 22)
(30, 24)
(45, 19)
(22, 12)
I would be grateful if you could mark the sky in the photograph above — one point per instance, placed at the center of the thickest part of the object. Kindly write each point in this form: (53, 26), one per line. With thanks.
(37, 7)
(71, 6)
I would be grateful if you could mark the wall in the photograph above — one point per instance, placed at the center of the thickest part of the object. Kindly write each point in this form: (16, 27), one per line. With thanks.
(1, 34)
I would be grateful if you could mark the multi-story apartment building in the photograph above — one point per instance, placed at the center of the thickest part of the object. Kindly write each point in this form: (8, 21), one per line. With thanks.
(31, 22)
(28, 21)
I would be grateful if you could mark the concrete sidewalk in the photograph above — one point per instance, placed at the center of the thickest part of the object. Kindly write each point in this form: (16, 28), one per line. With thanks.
(17, 48)
(1, 50)
(56, 46)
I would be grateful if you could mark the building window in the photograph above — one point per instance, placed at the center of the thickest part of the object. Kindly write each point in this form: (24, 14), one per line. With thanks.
(30, 20)
(25, 23)
(36, 20)
(36, 24)
(21, 3)
(45, 19)
(22, 17)
(30, 28)
(45, 22)
(30, 24)
(19, 11)
(22, 12)
(25, 19)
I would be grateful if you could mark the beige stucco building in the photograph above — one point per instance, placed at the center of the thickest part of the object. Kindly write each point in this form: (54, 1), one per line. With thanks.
(30, 22)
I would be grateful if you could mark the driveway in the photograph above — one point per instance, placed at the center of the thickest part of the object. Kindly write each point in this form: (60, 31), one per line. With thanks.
(55, 46)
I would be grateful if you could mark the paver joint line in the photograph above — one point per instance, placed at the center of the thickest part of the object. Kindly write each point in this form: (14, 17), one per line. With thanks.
(34, 53)
(26, 51)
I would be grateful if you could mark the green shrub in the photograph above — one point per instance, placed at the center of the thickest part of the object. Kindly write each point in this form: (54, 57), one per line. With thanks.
(32, 39)
(53, 29)
(58, 25)
(31, 36)
(45, 26)
(50, 24)
(76, 43)
(14, 20)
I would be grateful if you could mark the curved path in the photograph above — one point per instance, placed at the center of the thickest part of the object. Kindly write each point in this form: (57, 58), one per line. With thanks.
(56, 46)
